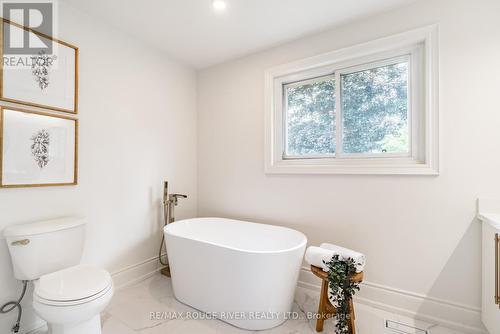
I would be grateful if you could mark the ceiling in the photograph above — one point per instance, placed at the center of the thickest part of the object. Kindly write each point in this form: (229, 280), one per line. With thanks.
(192, 32)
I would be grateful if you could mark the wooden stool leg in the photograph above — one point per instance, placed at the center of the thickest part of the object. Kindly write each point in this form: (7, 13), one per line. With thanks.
(323, 301)
(326, 310)
(352, 317)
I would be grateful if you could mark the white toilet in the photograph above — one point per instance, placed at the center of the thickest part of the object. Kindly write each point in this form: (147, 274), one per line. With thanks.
(68, 295)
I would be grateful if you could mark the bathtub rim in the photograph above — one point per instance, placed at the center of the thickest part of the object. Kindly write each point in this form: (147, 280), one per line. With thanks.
(303, 243)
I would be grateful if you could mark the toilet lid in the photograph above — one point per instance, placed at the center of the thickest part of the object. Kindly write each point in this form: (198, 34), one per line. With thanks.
(78, 282)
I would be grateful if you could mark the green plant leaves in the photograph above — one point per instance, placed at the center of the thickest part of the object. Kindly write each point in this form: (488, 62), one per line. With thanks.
(342, 289)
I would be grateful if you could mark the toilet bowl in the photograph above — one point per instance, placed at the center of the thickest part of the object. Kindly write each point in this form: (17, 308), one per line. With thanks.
(71, 300)
(68, 295)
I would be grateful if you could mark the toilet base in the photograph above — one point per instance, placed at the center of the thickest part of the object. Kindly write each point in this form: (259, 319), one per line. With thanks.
(92, 326)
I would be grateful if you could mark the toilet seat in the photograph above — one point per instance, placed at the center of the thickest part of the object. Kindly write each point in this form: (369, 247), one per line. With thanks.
(72, 286)
(50, 302)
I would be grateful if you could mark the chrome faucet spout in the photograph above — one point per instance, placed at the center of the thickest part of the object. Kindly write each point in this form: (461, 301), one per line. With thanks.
(171, 202)
(174, 198)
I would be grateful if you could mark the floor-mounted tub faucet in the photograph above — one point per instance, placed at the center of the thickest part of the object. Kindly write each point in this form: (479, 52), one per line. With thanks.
(170, 201)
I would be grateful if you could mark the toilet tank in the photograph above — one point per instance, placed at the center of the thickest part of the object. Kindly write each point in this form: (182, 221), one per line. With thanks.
(43, 247)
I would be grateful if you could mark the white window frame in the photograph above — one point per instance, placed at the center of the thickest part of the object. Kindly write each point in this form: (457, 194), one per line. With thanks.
(420, 48)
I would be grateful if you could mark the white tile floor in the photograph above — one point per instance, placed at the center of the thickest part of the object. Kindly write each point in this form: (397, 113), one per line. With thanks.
(129, 313)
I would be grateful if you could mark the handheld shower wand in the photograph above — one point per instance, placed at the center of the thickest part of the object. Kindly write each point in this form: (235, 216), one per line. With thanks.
(165, 191)
(170, 201)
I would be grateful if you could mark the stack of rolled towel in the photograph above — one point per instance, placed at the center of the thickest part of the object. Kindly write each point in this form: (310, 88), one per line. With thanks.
(317, 256)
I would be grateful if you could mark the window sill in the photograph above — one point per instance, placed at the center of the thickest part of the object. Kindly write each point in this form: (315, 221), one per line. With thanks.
(373, 166)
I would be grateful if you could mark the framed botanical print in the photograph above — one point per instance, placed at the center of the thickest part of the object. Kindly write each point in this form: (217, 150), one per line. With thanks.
(37, 149)
(45, 80)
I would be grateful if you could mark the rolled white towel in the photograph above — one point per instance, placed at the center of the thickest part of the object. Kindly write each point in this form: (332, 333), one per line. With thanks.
(316, 255)
(359, 258)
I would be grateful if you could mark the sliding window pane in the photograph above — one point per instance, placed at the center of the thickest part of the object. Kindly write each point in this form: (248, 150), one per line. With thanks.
(310, 118)
(375, 110)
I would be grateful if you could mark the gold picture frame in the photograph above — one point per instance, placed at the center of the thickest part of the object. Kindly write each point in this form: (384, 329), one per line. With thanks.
(30, 103)
(2, 142)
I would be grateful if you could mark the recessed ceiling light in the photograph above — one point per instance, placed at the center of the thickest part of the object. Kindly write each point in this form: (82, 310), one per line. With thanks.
(219, 5)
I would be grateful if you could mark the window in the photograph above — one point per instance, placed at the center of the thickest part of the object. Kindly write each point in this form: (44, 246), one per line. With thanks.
(356, 112)
(310, 118)
(375, 110)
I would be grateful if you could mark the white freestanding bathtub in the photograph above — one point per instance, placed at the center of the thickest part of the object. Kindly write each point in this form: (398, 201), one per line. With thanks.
(242, 273)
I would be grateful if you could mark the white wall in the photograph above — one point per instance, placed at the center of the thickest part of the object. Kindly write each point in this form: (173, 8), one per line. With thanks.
(137, 116)
(419, 233)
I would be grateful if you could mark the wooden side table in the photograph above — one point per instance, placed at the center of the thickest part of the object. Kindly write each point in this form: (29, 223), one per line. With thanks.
(326, 310)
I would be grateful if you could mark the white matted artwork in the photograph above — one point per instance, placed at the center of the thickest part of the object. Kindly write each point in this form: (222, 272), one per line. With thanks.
(37, 149)
(42, 80)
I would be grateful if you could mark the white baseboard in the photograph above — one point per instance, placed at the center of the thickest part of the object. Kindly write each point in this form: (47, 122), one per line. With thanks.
(135, 273)
(441, 312)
